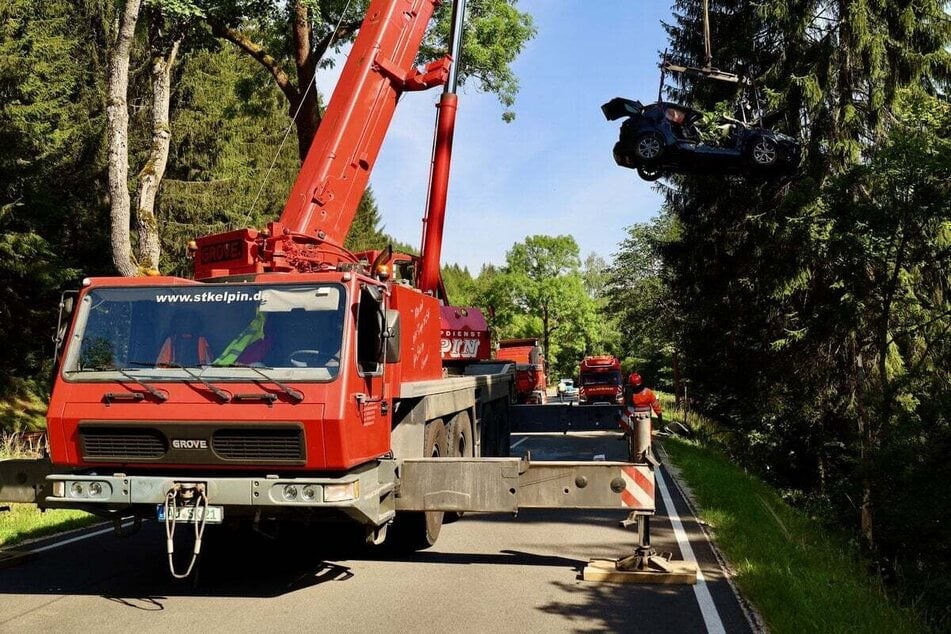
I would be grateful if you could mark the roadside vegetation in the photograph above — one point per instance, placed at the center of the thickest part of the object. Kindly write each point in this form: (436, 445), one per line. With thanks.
(790, 559)
(21, 522)
(798, 573)
(24, 522)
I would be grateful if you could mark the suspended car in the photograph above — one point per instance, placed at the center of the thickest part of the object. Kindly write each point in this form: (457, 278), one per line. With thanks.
(664, 138)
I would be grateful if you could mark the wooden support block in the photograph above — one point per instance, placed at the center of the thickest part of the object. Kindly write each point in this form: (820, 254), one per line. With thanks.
(605, 570)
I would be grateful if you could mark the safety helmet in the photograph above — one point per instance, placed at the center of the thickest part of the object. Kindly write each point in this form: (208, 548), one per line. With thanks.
(634, 379)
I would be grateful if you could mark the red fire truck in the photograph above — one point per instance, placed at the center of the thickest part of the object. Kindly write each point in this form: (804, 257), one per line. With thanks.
(293, 379)
(599, 379)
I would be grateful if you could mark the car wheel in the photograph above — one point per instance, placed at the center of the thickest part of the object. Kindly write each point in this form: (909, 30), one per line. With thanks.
(649, 174)
(649, 147)
(764, 152)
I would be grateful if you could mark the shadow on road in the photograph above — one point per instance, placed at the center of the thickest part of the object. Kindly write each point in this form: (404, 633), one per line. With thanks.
(134, 571)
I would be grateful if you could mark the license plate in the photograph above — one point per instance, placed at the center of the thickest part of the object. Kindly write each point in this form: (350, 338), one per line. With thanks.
(185, 514)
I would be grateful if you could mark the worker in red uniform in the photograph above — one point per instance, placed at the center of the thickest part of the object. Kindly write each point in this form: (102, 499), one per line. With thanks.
(642, 401)
(643, 398)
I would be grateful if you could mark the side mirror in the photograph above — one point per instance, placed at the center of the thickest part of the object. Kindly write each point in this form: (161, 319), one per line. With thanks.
(67, 302)
(391, 336)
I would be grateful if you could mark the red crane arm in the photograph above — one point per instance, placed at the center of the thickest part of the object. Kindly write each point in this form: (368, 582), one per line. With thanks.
(379, 69)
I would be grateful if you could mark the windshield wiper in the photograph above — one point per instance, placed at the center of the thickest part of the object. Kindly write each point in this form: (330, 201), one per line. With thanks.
(151, 389)
(220, 393)
(154, 391)
(296, 395)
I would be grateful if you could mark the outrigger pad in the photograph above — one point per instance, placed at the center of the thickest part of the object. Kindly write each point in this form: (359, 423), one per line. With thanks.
(659, 571)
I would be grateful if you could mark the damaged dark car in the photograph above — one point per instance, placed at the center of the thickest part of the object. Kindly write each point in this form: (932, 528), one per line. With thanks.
(665, 138)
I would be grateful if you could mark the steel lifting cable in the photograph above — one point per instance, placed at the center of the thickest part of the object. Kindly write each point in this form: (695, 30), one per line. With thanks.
(170, 517)
(300, 104)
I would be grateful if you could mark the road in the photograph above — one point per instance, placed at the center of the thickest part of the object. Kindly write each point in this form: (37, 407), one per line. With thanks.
(486, 573)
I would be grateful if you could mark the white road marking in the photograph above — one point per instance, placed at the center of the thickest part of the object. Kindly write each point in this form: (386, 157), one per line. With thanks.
(711, 618)
(71, 540)
(514, 445)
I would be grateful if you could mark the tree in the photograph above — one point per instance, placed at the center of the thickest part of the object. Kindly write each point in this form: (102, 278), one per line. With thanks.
(296, 36)
(117, 116)
(51, 115)
(540, 293)
(638, 298)
(168, 21)
(806, 309)
(461, 288)
(890, 249)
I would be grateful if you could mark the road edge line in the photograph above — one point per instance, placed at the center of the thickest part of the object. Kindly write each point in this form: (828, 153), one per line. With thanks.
(753, 618)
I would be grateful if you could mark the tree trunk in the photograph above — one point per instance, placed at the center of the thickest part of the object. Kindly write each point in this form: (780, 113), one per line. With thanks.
(306, 55)
(149, 245)
(117, 126)
(864, 453)
(678, 384)
(308, 119)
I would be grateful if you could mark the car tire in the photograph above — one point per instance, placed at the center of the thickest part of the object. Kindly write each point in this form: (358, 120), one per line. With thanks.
(649, 174)
(649, 147)
(764, 152)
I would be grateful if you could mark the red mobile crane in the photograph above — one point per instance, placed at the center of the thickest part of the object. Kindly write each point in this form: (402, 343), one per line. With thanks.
(294, 379)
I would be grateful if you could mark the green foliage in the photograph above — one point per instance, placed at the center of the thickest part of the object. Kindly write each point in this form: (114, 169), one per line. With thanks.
(801, 576)
(461, 287)
(221, 176)
(50, 126)
(813, 315)
(181, 9)
(495, 32)
(637, 297)
(540, 293)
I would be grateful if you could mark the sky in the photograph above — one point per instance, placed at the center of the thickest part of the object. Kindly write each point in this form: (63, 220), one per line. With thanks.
(550, 171)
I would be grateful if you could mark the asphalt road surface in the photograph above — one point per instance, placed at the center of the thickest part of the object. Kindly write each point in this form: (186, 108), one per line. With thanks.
(485, 574)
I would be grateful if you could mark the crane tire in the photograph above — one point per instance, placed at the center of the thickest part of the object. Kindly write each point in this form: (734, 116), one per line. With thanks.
(418, 530)
(461, 445)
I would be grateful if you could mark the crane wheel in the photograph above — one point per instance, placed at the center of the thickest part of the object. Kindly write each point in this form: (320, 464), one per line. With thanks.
(418, 530)
(461, 445)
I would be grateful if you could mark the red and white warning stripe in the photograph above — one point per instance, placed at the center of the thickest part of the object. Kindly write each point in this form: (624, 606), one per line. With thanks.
(638, 492)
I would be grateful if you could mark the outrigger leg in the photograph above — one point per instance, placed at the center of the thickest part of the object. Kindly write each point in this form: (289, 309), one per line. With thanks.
(644, 565)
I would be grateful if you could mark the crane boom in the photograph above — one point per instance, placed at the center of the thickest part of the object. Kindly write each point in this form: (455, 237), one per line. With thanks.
(326, 195)
(379, 69)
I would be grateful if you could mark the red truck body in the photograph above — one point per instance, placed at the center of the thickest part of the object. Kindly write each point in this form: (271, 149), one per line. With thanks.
(531, 382)
(599, 380)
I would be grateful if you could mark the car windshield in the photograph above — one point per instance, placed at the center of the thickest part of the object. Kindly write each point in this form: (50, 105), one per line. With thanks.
(601, 378)
(208, 331)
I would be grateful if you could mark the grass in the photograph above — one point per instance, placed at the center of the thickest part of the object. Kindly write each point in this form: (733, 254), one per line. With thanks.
(25, 521)
(24, 412)
(797, 575)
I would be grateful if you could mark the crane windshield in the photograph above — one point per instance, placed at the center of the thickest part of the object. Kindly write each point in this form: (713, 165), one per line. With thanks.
(210, 331)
